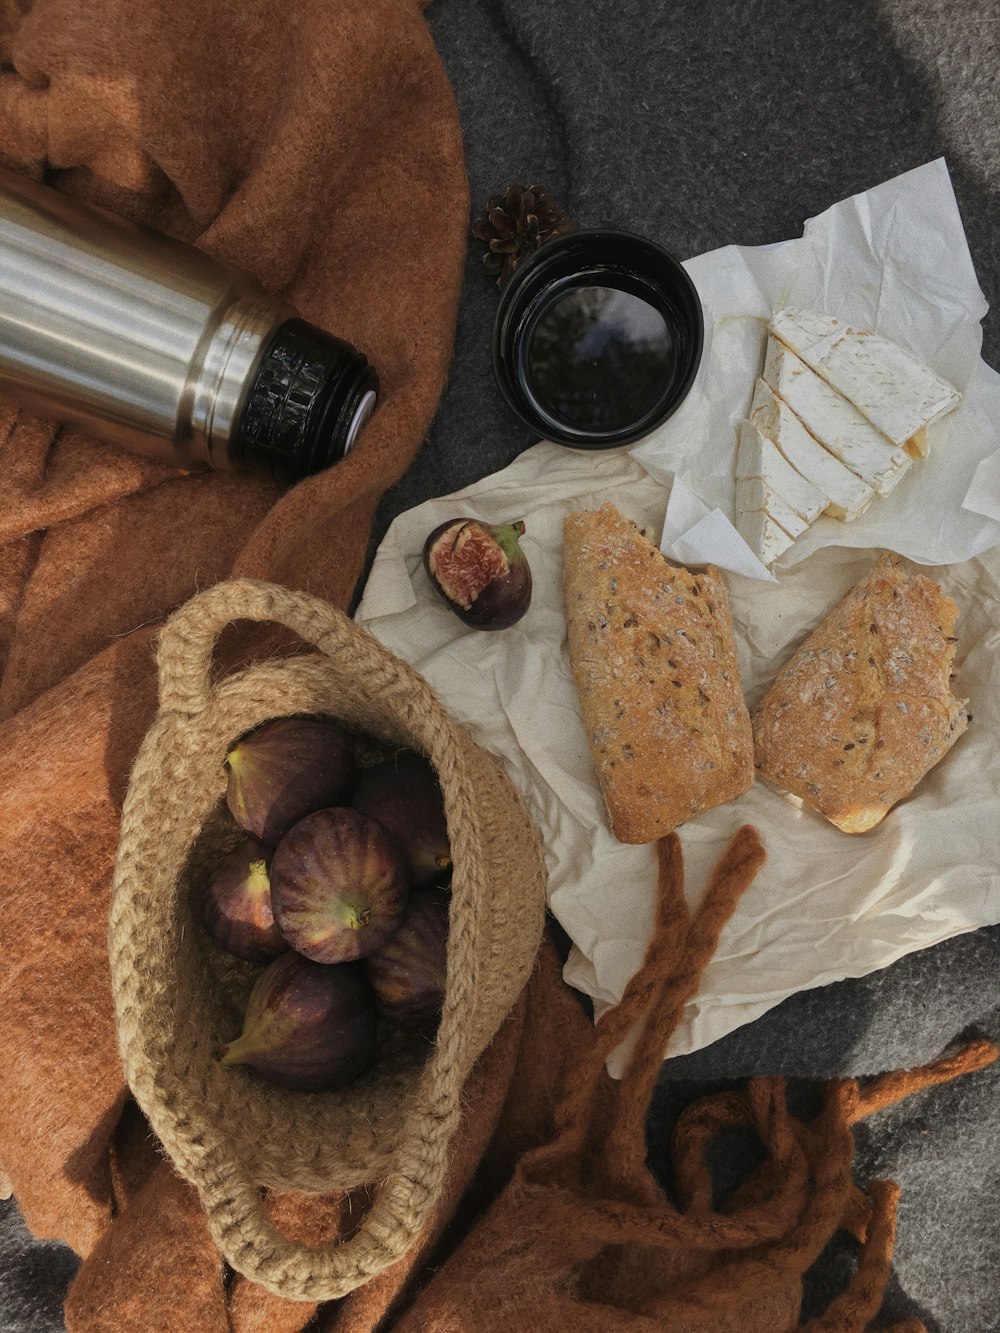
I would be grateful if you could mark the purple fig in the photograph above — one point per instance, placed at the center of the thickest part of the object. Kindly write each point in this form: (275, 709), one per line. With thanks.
(480, 571)
(338, 885)
(287, 769)
(408, 972)
(237, 909)
(403, 794)
(307, 1026)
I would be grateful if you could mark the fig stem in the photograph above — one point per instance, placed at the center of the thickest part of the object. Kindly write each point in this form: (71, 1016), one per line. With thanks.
(234, 1052)
(358, 920)
(506, 537)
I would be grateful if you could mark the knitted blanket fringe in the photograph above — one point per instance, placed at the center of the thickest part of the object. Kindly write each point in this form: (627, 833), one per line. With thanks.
(585, 1238)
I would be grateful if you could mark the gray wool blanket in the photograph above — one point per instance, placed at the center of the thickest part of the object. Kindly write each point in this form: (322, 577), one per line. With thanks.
(701, 124)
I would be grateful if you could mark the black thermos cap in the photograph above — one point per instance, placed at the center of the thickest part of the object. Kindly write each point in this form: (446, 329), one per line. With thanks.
(311, 395)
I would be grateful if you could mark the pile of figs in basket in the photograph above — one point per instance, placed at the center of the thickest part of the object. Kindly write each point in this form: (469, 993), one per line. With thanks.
(340, 888)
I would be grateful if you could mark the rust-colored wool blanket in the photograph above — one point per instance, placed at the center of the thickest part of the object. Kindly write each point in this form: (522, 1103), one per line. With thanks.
(317, 145)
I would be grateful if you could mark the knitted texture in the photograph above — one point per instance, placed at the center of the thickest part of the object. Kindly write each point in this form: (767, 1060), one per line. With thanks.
(283, 139)
(583, 1238)
(177, 999)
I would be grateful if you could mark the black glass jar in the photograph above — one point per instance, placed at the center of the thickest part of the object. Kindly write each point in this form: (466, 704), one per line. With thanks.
(597, 338)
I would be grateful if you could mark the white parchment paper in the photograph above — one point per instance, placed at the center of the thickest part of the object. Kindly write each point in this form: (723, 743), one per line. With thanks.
(894, 260)
(826, 905)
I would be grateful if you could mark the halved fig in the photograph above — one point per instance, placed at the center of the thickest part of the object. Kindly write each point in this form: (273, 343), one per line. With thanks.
(480, 571)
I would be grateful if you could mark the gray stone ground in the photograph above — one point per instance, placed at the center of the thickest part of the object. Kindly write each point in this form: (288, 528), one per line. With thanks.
(703, 123)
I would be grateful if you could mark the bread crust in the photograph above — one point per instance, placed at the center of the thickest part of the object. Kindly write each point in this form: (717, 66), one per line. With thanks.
(863, 709)
(653, 655)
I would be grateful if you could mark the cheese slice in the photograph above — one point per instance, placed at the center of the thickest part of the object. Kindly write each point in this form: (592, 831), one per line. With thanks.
(753, 494)
(832, 420)
(847, 495)
(760, 457)
(890, 387)
(765, 538)
(764, 520)
(916, 445)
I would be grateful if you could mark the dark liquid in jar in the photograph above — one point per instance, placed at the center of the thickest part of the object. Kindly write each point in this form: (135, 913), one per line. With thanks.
(599, 358)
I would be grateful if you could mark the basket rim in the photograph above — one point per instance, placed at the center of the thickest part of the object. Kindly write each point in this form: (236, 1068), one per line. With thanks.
(419, 1160)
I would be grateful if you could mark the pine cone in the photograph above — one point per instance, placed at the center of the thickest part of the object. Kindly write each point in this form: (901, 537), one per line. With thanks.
(515, 224)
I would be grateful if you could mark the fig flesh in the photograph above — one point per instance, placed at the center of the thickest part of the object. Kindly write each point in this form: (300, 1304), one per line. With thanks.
(287, 769)
(403, 795)
(480, 571)
(408, 972)
(307, 1026)
(237, 908)
(338, 885)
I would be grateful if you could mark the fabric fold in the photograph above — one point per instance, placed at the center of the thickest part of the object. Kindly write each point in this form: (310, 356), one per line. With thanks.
(318, 147)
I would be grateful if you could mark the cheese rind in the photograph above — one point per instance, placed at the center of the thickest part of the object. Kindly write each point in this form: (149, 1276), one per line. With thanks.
(832, 420)
(889, 386)
(757, 456)
(765, 538)
(847, 495)
(753, 495)
(764, 520)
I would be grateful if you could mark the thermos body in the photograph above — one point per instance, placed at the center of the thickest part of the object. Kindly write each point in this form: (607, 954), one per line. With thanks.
(153, 344)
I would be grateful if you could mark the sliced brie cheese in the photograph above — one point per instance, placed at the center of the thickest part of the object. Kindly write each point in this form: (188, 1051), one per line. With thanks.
(765, 522)
(754, 495)
(760, 457)
(833, 421)
(765, 538)
(847, 495)
(916, 445)
(889, 386)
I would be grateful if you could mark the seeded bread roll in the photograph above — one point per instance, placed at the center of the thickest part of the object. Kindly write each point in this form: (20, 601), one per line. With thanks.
(864, 709)
(654, 660)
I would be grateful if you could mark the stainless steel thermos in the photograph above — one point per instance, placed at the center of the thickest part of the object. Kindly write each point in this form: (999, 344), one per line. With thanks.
(148, 342)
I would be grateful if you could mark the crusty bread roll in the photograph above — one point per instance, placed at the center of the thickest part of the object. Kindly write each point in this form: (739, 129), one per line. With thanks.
(654, 660)
(864, 708)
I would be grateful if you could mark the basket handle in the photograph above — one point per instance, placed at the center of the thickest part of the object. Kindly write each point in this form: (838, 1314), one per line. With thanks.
(187, 640)
(254, 1246)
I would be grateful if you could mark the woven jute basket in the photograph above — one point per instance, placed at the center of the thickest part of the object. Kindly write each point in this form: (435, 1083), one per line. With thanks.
(178, 998)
